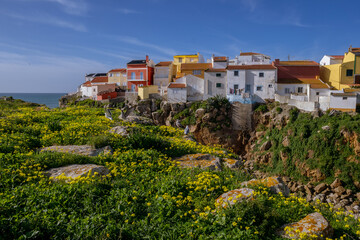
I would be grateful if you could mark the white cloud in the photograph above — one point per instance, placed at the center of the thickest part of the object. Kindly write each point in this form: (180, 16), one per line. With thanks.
(127, 11)
(50, 21)
(74, 7)
(36, 73)
(137, 42)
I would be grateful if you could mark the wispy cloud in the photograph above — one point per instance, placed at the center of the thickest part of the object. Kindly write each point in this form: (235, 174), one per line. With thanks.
(138, 42)
(250, 4)
(127, 11)
(50, 21)
(74, 7)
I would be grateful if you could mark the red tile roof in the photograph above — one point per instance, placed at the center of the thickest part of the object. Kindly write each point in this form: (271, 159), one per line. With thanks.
(297, 63)
(249, 53)
(355, 50)
(163, 64)
(216, 70)
(177, 85)
(122, 70)
(337, 56)
(195, 66)
(258, 66)
(87, 84)
(100, 80)
(220, 59)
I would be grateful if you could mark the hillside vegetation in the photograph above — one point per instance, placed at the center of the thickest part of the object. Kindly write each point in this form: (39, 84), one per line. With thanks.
(146, 195)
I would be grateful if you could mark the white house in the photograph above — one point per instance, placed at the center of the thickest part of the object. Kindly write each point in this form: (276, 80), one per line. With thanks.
(331, 59)
(344, 101)
(215, 82)
(97, 85)
(250, 58)
(194, 88)
(257, 81)
(177, 92)
(162, 75)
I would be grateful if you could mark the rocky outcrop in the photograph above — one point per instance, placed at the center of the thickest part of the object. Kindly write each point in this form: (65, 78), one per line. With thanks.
(121, 130)
(139, 120)
(204, 161)
(275, 184)
(76, 171)
(85, 150)
(234, 196)
(353, 139)
(312, 224)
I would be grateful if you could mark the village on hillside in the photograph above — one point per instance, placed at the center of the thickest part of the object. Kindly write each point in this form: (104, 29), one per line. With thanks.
(332, 84)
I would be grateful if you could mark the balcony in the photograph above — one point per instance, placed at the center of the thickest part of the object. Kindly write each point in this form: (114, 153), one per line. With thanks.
(244, 98)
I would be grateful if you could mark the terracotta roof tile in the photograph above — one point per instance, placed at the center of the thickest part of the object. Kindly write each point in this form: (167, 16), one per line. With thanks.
(220, 59)
(195, 66)
(249, 53)
(314, 82)
(355, 50)
(122, 70)
(297, 63)
(258, 66)
(163, 64)
(100, 80)
(216, 70)
(177, 85)
(348, 94)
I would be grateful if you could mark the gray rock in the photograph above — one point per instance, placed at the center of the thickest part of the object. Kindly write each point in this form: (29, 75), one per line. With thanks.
(121, 130)
(199, 113)
(325, 128)
(77, 170)
(321, 187)
(265, 146)
(139, 120)
(320, 197)
(85, 150)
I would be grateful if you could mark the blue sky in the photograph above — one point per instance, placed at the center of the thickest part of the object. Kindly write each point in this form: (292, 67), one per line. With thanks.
(48, 45)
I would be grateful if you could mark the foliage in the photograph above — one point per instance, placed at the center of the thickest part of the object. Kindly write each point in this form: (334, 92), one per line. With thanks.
(261, 108)
(146, 195)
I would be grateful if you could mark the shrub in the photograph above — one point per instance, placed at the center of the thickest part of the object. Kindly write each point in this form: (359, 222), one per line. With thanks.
(279, 110)
(261, 108)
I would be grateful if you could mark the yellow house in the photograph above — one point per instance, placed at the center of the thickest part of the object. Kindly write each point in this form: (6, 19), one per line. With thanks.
(181, 59)
(118, 76)
(196, 69)
(343, 75)
(145, 91)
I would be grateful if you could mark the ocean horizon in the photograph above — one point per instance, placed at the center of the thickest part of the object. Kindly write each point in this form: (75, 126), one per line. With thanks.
(49, 99)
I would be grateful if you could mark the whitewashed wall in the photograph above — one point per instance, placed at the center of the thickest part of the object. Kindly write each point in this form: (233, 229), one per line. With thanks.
(232, 80)
(267, 82)
(210, 84)
(338, 102)
(175, 95)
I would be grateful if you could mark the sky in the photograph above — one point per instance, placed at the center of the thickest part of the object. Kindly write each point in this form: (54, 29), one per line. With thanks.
(49, 45)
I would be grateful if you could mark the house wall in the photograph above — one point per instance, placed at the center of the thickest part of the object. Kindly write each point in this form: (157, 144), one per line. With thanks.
(148, 73)
(211, 80)
(346, 105)
(221, 65)
(293, 88)
(145, 91)
(232, 80)
(195, 88)
(162, 76)
(190, 72)
(176, 95)
(120, 80)
(267, 83)
(331, 75)
(322, 92)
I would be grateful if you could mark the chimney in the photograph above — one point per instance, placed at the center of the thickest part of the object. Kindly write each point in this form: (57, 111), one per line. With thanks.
(350, 48)
(147, 58)
(277, 61)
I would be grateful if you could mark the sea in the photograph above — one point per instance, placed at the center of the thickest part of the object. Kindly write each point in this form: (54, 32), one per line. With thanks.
(49, 99)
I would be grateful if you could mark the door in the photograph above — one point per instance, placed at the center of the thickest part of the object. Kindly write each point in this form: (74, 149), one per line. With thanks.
(209, 88)
(357, 79)
(133, 87)
(247, 88)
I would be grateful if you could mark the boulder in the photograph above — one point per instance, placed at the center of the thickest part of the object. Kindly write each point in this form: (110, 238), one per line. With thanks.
(340, 190)
(189, 138)
(175, 107)
(325, 128)
(286, 141)
(85, 150)
(321, 187)
(312, 224)
(232, 163)
(275, 184)
(234, 196)
(139, 120)
(199, 160)
(165, 106)
(336, 183)
(121, 130)
(77, 170)
(265, 146)
(319, 197)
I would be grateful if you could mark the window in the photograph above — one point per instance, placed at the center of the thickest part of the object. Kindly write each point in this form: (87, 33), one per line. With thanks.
(218, 85)
(317, 93)
(261, 74)
(141, 75)
(259, 88)
(247, 88)
(133, 76)
(270, 85)
(287, 90)
(300, 89)
(140, 85)
(236, 86)
(349, 72)
(110, 74)
(218, 74)
(196, 72)
(344, 98)
(236, 73)
(180, 60)
(118, 74)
